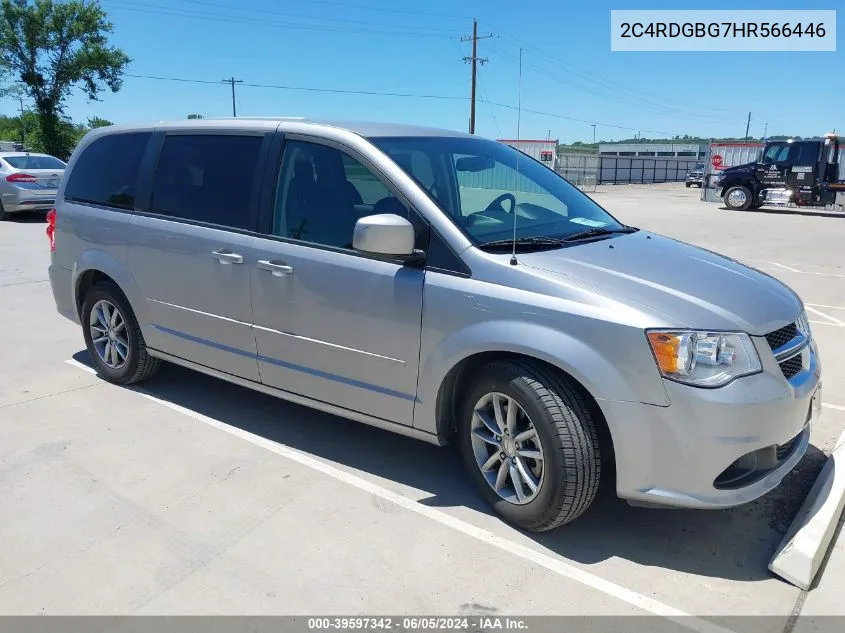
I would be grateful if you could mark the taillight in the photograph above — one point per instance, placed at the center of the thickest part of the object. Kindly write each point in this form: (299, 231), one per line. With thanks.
(21, 177)
(51, 228)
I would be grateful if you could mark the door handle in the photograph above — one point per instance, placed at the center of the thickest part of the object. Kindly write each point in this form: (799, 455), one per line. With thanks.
(225, 256)
(277, 268)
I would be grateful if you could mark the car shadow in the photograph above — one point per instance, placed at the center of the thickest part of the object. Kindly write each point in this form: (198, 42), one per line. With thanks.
(733, 544)
(793, 211)
(28, 217)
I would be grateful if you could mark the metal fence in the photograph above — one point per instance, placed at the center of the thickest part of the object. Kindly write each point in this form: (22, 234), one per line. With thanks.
(579, 168)
(623, 170)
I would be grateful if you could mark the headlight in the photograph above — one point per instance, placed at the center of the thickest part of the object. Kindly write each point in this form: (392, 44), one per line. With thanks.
(703, 359)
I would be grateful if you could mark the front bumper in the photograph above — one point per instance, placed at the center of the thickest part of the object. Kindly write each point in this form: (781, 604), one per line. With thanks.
(674, 455)
(695, 179)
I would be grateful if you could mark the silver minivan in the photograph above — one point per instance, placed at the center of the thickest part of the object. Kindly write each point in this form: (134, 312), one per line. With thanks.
(445, 287)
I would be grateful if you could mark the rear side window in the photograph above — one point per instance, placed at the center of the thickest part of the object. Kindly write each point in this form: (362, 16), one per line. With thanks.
(107, 171)
(207, 178)
(34, 162)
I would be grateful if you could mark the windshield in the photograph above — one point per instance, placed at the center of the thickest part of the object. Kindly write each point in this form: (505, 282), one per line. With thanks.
(34, 162)
(698, 167)
(482, 185)
(775, 153)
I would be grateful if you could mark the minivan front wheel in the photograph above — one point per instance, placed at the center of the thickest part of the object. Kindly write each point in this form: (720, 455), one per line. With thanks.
(530, 443)
(113, 337)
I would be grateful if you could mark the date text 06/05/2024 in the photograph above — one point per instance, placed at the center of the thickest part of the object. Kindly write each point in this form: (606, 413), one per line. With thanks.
(416, 623)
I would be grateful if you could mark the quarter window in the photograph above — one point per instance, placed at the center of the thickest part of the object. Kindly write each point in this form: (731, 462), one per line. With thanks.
(107, 171)
(207, 178)
(322, 192)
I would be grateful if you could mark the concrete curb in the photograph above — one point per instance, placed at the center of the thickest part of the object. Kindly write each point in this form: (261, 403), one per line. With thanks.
(800, 553)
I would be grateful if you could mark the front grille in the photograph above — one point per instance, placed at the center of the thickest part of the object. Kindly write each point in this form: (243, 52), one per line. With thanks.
(791, 366)
(780, 337)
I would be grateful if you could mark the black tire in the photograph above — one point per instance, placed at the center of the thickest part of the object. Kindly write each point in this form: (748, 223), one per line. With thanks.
(689, 184)
(749, 198)
(139, 365)
(563, 420)
(3, 214)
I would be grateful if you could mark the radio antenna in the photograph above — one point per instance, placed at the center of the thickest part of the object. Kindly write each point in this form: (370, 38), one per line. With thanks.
(514, 261)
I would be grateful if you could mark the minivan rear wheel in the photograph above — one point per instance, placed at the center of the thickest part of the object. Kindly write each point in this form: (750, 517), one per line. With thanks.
(530, 443)
(113, 337)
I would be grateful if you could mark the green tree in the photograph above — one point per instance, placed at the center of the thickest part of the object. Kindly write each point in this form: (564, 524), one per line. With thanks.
(195, 116)
(96, 121)
(53, 47)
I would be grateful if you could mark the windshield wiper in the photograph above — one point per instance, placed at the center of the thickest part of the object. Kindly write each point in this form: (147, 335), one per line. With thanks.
(522, 243)
(598, 232)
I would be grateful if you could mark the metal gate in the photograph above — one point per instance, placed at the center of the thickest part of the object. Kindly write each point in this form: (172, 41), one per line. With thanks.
(579, 168)
(623, 170)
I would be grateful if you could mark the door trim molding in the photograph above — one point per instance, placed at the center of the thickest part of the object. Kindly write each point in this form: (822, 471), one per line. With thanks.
(281, 363)
(208, 314)
(349, 414)
(328, 344)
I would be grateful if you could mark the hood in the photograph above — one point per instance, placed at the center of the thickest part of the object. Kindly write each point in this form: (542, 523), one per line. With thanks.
(736, 168)
(689, 286)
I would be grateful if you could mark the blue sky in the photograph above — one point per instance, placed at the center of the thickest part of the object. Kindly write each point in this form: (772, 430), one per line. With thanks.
(415, 48)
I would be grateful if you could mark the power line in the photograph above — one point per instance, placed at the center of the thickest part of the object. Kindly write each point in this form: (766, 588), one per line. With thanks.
(239, 9)
(306, 88)
(397, 94)
(653, 108)
(230, 18)
(569, 118)
(492, 111)
(595, 78)
(388, 10)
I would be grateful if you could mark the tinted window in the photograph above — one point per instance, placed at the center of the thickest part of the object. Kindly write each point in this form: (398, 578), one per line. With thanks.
(804, 154)
(107, 171)
(322, 193)
(34, 162)
(207, 178)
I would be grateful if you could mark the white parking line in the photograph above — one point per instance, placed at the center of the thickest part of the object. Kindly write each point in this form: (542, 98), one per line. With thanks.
(821, 305)
(784, 266)
(833, 406)
(824, 323)
(551, 563)
(833, 320)
(789, 269)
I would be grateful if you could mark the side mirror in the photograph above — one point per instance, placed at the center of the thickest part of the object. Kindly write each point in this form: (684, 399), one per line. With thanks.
(384, 234)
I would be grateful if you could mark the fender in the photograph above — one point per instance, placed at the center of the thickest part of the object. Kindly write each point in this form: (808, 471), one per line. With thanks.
(95, 259)
(600, 377)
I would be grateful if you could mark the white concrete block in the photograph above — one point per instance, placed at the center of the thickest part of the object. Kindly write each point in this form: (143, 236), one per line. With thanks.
(800, 553)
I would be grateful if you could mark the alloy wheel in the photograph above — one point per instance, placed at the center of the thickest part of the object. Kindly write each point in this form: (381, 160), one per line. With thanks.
(108, 334)
(507, 448)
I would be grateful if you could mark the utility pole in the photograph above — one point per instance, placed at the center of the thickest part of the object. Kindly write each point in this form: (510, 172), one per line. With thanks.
(23, 123)
(594, 133)
(766, 129)
(747, 125)
(474, 60)
(232, 81)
